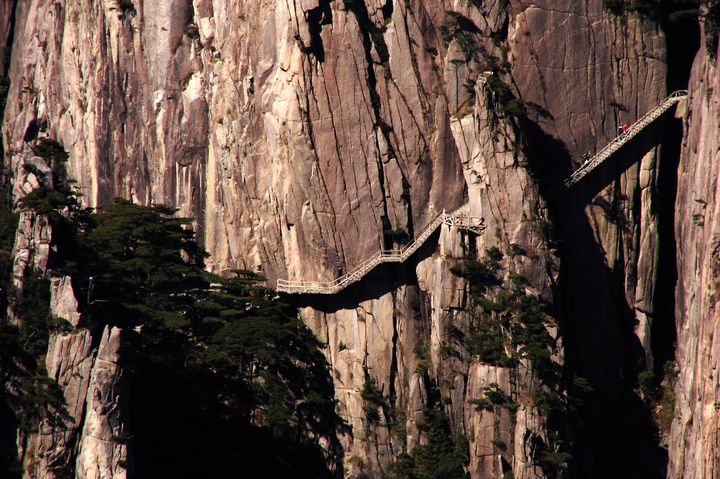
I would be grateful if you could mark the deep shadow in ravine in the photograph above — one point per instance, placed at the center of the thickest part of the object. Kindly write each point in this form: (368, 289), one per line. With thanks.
(613, 433)
(610, 428)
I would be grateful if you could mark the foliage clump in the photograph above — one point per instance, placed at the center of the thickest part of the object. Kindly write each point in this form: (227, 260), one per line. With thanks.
(509, 325)
(127, 7)
(658, 392)
(245, 374)
(444, 455)
(396, 236)
(480, 275)
(508, 102)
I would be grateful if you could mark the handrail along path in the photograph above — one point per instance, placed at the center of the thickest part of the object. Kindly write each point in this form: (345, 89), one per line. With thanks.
(458, 219)
(618, 142)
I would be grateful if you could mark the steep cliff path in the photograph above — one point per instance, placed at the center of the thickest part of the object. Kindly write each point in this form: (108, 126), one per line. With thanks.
(618, 142)
(458, 219)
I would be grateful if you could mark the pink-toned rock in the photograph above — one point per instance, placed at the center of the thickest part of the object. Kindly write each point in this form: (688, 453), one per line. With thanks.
(63, 303)
(693, 445)
(100, 454)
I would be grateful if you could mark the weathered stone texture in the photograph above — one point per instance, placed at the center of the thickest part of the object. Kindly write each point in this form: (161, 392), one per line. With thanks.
(100, 453)
(63, 303)
(693, 445)
(50, 451)
(78, 435)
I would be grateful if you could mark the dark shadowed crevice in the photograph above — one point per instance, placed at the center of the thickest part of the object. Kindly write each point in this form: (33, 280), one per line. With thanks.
(7, 56)
(392, 392)
(682, 33)
(663, 332)
(613, 431)
(611, 428)
(387, 10)
(548, 160)
(10, 465)
(316, 19)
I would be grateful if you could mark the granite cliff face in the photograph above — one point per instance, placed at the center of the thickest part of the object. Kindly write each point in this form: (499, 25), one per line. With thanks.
(693, 443)
(302, 134)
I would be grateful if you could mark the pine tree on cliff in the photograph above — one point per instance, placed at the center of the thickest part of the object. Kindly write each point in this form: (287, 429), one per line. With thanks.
(219, 374)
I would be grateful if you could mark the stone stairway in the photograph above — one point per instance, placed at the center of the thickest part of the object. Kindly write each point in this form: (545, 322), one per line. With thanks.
(458, 219)
(618, 142)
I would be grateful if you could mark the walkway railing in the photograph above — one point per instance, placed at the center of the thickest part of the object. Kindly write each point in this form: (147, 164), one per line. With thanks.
(458, 219)
(618, 142)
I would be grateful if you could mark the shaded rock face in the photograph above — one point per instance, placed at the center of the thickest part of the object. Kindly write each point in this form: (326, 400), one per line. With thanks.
(296, 133)
(590, 71)
(693, 443)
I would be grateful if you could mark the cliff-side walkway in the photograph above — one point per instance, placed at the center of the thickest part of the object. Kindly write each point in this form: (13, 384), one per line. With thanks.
(618, 142)
(458, 219)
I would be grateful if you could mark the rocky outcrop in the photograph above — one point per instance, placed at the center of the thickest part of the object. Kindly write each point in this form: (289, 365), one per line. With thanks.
(102, 447)
(63, 303)
(33, 238)
(48, 451)
(80, 434)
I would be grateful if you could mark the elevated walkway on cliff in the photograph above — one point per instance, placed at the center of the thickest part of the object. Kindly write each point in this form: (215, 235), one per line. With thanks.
(618, 142)
(457, 219)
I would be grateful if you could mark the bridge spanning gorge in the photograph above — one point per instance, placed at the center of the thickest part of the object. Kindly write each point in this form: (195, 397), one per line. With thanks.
(618, 142)
(457, 219)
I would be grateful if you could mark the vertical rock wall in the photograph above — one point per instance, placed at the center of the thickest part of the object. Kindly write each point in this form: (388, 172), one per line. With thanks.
(325, 120)
(694, 449)
(48, 451)
(100, 453)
